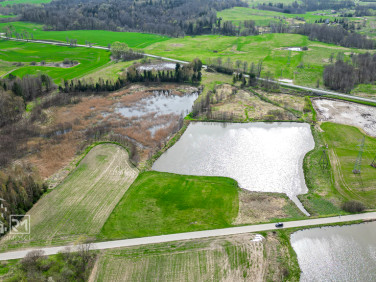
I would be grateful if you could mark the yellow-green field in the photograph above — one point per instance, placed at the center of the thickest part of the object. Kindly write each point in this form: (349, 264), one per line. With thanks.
(82, 203)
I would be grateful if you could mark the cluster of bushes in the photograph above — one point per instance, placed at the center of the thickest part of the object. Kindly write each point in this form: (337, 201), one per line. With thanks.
(121, 51)
(65, 266)
(245, 28)
(70, 62)
(353, 206)
(229, 67)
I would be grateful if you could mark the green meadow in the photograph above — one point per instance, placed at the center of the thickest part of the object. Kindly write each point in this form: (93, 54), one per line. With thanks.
(343, 142)
(163, 203)
(25, 53)
(303, 67)
(98, 37)
(263, 18)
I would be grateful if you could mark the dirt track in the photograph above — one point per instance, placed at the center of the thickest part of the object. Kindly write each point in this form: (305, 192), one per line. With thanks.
(348, 113)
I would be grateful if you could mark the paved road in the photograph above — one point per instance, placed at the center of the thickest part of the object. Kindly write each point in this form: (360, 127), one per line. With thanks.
(314, 90)
(197, 235)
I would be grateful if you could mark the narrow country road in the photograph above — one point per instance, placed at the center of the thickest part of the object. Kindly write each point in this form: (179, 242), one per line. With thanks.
(196, 235)
(313, 90)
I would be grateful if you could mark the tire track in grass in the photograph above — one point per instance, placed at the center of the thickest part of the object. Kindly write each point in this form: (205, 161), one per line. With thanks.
(82, 203)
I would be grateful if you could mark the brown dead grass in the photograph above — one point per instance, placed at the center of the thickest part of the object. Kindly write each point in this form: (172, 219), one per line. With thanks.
(243, 102)
(229, 258)
(255, 207)
(51, 154)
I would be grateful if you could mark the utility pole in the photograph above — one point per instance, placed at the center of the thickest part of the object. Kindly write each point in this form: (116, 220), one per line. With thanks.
(373, 164)
(358, 163)
(324, 161)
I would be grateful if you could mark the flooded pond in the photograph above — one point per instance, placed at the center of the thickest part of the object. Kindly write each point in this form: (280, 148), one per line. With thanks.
(346, 253)
(161, 102)
(297, 49)
(158, 66)
(265, 157)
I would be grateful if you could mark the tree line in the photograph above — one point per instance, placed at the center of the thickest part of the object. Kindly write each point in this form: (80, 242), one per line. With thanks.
(229, 67)
(190, 73)
(345, 75)
(19, 190)
(306, 5)
(28, 87)
(335, 35)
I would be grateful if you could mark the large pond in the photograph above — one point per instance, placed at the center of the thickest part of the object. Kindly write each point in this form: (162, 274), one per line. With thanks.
(346, 253)
(162, 102)
(266, 157)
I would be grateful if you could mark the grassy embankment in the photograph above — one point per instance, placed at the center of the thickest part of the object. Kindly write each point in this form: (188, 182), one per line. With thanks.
(329, 188)
(82, 203)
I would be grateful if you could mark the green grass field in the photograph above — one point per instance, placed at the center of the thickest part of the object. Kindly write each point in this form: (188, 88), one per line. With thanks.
(329, 188)
(343, 142)
(268, 47)
(98, 37)
(162, 203)
(304, 68)
(263, 17)
(322, 197)
(12, 51)
(82, 203)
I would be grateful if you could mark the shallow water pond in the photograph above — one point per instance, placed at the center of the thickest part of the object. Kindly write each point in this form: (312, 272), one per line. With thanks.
(266, 157)
(161, 102)
(346, 253)
(158, 66)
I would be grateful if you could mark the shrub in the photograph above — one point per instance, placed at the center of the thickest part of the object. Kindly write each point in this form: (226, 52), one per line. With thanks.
(305, 48)
(353, 206)
(66, 61)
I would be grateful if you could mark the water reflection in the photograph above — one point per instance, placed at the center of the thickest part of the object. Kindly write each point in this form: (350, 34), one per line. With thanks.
(345, 253)
(260, 156)
(161, 102)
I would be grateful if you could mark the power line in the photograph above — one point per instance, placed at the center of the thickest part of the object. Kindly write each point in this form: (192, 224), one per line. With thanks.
(358, 163)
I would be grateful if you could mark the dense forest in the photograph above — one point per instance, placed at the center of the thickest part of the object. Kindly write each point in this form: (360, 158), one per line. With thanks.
(170, 17)
(336, 35)
(19, 190)
(344, 75)
(306, 5)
